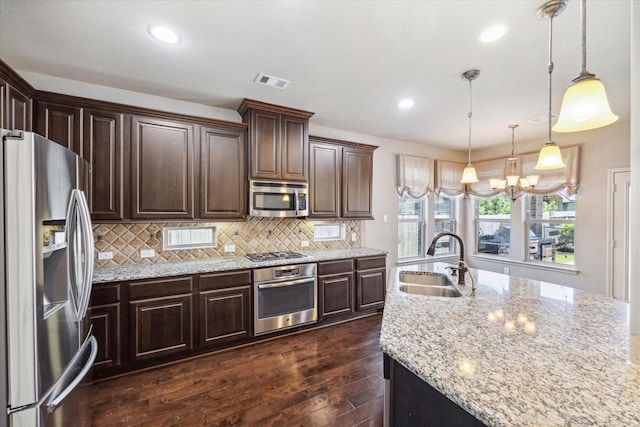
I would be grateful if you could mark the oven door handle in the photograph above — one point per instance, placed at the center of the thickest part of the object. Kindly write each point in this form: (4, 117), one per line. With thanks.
(288, 283)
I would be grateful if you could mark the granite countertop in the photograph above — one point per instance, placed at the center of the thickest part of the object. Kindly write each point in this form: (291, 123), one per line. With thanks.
(146, 271)
(520, 352)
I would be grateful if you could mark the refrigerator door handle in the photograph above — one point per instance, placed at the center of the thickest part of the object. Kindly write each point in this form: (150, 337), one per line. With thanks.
(81, 270)
(56, 398)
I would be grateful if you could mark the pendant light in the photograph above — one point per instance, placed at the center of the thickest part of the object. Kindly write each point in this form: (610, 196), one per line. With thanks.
(469, 175)
(585, 105)
(550, 156)
(513, 186)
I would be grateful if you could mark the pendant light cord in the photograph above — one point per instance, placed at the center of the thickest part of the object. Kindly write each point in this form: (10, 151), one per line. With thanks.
(583, 24)
(550, 68)
(513, 128)
(470, 114)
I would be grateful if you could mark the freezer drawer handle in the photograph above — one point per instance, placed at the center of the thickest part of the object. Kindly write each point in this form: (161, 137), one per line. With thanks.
(53, 404)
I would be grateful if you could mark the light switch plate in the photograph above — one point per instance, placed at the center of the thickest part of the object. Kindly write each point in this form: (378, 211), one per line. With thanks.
(304, 243)
(354, 237)
(147, 253)
(229, 248)
(105, 255)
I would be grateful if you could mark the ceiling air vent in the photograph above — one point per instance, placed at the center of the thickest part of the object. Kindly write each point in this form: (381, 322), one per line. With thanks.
(276, 82)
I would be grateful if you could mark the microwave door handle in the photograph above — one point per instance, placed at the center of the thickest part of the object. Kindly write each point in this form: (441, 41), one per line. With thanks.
(296, 202)
(55, 401)
(87, 238)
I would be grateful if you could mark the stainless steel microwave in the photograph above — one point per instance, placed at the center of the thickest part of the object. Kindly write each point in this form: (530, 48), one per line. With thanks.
(278, 199)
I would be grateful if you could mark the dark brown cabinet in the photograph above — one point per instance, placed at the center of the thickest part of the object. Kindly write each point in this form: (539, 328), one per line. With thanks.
(225, 307)
(223, 182)
(105, 317)
(160, 318)
(371, 282)
(278, 141)
(341, 177)
(336, 292)
(17, 109)
(104, 149)
(162, 169)
(325, 177)
(59, 123)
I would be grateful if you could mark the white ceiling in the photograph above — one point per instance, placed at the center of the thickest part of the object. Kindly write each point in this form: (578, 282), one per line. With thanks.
(350, 62)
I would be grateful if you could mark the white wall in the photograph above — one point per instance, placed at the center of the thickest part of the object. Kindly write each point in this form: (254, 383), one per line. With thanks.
(634, 239)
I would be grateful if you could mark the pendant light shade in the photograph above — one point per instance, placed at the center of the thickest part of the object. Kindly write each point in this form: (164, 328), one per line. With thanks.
(550, 157)
(469, 175)
(585, 104)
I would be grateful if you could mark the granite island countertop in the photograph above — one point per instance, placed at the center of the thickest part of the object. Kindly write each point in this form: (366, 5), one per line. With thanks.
(146, 271)
(520, 352)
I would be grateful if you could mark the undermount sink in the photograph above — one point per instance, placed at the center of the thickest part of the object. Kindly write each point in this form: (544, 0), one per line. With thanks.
(427, 283)
(425, 278)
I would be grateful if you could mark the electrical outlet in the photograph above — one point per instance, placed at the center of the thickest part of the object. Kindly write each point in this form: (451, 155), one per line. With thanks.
(506, 270)
(354, 237)
(304, 243)
(105, 255)
(385, 218)
(229, 248)
(147, 253)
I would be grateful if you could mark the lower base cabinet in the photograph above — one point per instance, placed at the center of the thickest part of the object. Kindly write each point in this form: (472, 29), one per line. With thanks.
(149, 322)
(160, 318)
(225, 308)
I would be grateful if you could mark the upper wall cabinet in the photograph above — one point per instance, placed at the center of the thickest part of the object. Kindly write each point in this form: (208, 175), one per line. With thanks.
(162, 169)
(15, 100)
(278, 141)
(60, 123)
(341, 176)
(223, 182)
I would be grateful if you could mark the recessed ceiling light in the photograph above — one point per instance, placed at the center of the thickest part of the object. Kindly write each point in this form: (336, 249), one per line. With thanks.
(492, 34)
(164, 34)
(406, 103)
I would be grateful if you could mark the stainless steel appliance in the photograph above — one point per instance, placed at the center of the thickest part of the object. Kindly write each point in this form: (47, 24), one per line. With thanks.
(270, 256)
(284, 296)
(47, 265)
(278, 199)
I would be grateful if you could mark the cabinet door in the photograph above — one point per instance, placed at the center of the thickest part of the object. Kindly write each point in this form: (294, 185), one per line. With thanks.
(103, 148)
(3, 105)
(335, 294)
(324, 180)
(18, 110)
(59, 123)
(295, 148)
(370, 290)
(160, 317)
(225, 315)
(264, 131)
(161, 169)
(357, 178)
(223, 189)
(104, 315)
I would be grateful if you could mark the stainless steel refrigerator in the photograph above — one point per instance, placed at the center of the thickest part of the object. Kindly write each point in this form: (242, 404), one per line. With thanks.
(46, 347)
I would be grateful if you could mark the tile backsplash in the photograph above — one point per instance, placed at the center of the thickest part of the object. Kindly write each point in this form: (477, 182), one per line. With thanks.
(126, 241)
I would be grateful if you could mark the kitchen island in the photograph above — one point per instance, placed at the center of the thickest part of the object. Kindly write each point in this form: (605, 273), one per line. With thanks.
(519, 353)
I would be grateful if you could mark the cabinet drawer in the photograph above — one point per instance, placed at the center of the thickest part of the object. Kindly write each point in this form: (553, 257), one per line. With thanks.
(160, 288)
(224, 280)
(104, 294)
(372, 262)
(334, 267)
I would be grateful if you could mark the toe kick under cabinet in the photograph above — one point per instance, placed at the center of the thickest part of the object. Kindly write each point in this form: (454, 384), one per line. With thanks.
(149, 322)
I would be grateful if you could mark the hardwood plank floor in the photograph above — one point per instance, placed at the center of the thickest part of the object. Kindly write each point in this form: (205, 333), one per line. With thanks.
(325, 377)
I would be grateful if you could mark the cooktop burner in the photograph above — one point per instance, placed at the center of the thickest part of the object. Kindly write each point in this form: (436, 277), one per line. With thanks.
(270, 256)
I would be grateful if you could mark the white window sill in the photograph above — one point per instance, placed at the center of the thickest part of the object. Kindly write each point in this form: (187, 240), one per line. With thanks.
(558, 268)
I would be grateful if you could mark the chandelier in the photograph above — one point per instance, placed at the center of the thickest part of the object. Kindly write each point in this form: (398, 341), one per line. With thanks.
(513, 186)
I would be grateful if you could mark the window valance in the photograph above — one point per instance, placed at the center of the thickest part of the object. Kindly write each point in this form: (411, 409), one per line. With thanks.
(554, 180)
(486, 170)
(414, 176)
(448, 178)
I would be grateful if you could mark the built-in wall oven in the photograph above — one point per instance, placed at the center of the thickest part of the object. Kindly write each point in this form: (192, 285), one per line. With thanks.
(284, 296)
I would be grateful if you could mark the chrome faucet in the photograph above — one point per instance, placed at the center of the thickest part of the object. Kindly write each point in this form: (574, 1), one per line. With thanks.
(462, 266)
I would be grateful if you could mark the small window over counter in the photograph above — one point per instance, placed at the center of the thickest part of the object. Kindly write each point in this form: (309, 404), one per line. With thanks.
(326, 232)
(174, 238)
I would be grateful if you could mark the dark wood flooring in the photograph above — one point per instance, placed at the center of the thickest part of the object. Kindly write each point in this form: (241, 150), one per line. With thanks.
(325, 377)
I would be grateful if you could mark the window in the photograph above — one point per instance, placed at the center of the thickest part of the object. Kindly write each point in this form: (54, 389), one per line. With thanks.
(550, 221)
(493, 225)
(419, 220)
